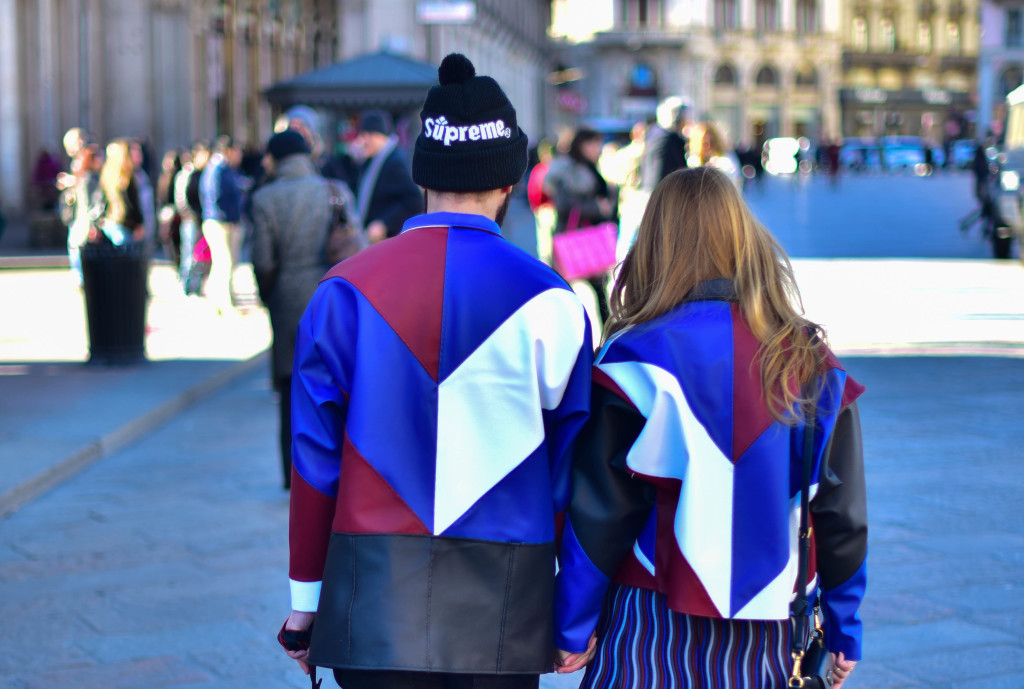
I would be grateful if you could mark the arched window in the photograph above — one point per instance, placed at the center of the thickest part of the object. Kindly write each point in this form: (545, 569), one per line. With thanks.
(766, 77)
(859, 29)
(924, 37)
(886, 36)
(643, 80)
(806, 76)
(725, 75)
(953, 31)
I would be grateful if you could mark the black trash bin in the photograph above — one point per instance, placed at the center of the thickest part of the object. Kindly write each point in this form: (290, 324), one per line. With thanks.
(115, 286)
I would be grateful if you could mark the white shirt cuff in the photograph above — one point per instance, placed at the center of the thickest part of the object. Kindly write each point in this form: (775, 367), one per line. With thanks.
(305, 595)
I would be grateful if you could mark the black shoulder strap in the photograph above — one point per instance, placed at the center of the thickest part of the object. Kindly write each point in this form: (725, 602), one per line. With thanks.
(799, 608)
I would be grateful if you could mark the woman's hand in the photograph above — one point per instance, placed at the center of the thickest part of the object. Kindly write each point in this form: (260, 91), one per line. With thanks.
(571, 662)
(842, 670)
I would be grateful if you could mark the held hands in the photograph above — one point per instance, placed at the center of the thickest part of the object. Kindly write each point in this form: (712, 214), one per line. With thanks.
(843, 668)
(298, 621)
(571, 662)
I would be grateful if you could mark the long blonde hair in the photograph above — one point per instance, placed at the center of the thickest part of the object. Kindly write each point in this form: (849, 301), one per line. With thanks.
(696, 228)
(115, 177)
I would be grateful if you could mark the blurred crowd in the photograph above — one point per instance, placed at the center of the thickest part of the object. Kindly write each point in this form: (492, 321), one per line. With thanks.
(199, 204)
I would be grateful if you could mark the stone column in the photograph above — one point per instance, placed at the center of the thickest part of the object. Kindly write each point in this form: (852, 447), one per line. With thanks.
(49, 136)
(12, 162)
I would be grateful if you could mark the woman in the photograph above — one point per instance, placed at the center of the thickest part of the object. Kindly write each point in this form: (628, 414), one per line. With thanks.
(119, 212)
(716, 153)
(167, 215)
(687, 476)
(583, 197)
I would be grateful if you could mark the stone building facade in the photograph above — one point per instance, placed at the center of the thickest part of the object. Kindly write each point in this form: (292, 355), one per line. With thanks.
(759, 68)
(171, 71)
(909, 67)
(506, 40)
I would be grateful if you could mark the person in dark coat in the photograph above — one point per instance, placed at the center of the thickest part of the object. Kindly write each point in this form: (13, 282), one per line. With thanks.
(386, 196)
(664, 144)
(290, 215)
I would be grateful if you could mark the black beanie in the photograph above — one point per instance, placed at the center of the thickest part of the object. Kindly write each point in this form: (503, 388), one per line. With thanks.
(286, 143)
(470, 139)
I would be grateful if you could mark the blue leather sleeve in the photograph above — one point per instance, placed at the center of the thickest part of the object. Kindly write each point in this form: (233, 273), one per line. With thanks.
(563, 424)
(844, 631)
(319, 400)
(580, 588)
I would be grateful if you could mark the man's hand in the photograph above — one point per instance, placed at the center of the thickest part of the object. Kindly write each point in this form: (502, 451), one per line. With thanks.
(843, 669)
(376, 231)
(299, 621)
(571, 662)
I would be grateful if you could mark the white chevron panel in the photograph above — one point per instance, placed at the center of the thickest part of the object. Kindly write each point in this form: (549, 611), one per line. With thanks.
(489, 415)
(674, 444)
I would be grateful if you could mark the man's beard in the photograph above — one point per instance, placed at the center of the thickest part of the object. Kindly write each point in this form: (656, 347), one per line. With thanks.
(502, 210)
(498, 218)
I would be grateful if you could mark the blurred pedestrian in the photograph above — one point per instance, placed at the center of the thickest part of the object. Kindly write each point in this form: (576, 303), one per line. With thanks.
(706, 380)
(147, 195)
(715, 152)
(221, 198)
(167, 215)
(664, 144)
(542, 205)
(385, 194)
(832, 151)
(583, 198)
(189, 206)
(439, 380)
(331, 164)
(78, 186)
(291, 215)
(117, 209)
(44, 181)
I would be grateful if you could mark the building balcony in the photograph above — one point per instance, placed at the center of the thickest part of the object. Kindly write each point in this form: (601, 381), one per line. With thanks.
(648, 37)
(962, 62)
(876, 60)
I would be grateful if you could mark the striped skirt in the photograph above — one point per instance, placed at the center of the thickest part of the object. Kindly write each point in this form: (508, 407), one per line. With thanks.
(645, 645)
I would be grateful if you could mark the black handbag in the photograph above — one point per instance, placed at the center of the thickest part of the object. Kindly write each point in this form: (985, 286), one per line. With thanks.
(813, 664)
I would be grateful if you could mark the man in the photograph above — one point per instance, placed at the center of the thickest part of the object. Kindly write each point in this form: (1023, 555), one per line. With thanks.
(385, 193)
(221, 199)
(440, 378)
(306, 121)
(664, 144)
(77, 188)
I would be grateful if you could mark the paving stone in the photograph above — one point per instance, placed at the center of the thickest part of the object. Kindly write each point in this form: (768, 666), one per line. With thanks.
(965, 664)
(884, 610)
(114, 648)
(154, 672)
(899, 645)
(871, 674)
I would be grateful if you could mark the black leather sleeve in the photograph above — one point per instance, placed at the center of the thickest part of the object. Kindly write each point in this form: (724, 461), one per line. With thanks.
(609, 507)
(840, 507)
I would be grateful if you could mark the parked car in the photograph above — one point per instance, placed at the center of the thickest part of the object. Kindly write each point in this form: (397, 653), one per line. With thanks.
(902, 152)
(860, 154)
